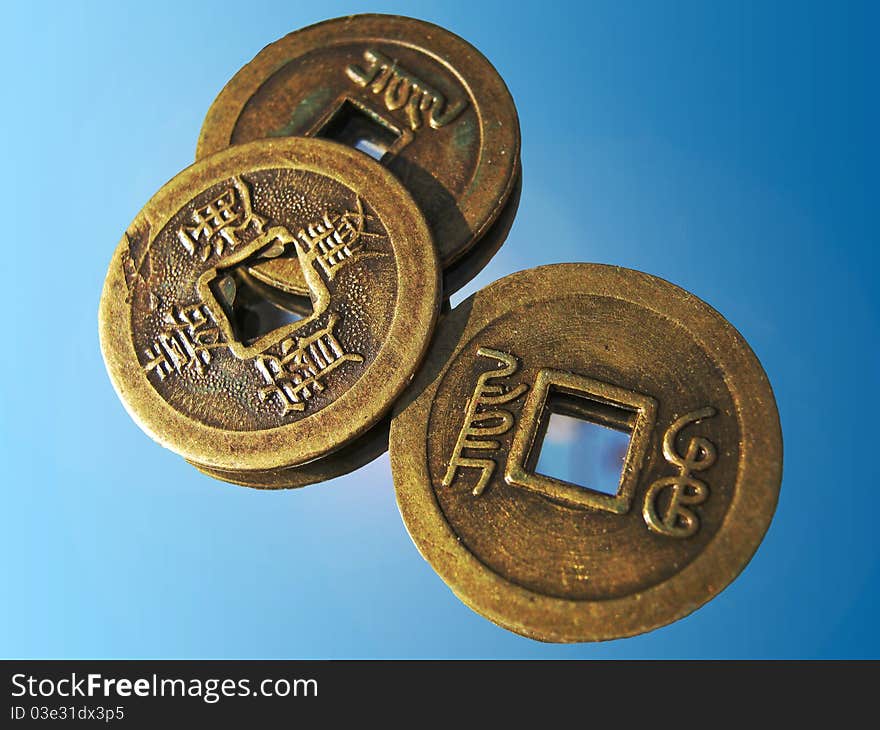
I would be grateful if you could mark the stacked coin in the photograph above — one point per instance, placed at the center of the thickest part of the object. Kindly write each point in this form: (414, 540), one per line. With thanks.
(231, 381)
(282, 291)
(270, 309)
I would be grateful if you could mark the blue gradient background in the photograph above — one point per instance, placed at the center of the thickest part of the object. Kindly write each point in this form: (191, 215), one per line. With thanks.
(729, 148)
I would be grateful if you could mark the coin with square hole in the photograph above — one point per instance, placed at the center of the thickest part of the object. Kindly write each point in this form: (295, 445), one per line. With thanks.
(233, 375)
(417, 98)
(587, 453)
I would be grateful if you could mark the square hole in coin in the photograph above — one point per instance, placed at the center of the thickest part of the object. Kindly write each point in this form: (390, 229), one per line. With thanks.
(356, 127)
(256, 310)
(584, 442)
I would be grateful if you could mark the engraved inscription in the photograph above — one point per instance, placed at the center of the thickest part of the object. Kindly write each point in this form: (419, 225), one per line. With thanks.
(484, 419)
(293, 367)
(336, 237)
(297, 375)
(186, 342)
(403, 90)
(136, 259)
(220, 223)
(685, 490)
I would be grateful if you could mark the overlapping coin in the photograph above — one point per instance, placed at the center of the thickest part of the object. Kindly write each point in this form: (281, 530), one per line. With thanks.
(218, 374)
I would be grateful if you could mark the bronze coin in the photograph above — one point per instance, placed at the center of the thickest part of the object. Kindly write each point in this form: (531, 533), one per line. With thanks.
(421, 99)
(207, 367)
(561, 561)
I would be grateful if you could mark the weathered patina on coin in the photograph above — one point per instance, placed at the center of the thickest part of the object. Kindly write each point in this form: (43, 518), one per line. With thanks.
(560, 561)
(349, 458)
(421, 99)
(211, 369)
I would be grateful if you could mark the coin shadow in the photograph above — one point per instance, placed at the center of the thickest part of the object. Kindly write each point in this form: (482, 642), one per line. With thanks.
(457, 275)
(438, 205)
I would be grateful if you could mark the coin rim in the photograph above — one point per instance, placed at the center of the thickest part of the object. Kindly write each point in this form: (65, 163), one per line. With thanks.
(549, 618)
(354, 412)
(498, 142)
(356, 454)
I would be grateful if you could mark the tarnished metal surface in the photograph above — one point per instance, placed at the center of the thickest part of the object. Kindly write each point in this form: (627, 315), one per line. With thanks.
(436, 107)
(235, 399)
(564, 562)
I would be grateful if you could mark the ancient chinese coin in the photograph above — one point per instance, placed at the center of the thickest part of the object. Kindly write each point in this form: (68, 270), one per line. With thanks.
(561, 560)
(419, 98)
(213, 370)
